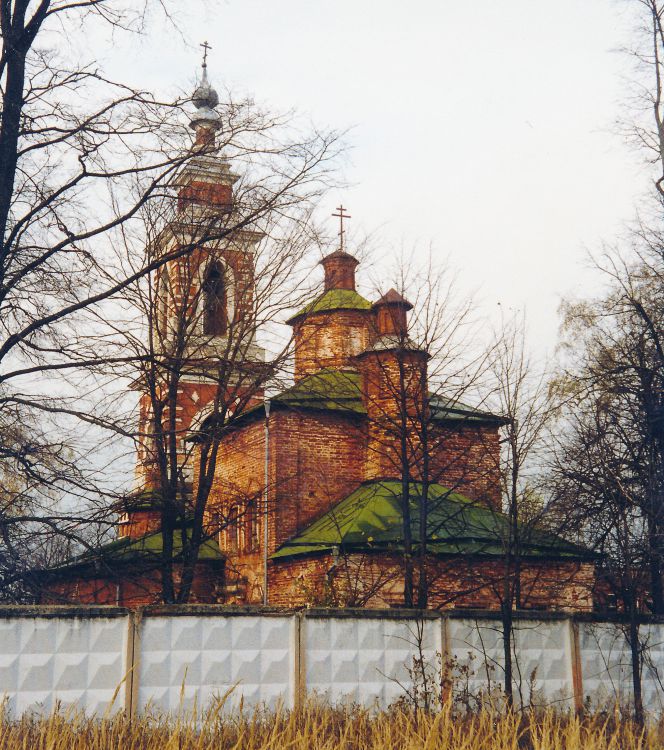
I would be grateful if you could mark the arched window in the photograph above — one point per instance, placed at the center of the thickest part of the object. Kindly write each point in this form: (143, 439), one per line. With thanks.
(215, 302)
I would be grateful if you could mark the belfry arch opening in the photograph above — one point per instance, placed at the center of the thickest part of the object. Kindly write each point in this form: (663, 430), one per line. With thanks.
(215, 300)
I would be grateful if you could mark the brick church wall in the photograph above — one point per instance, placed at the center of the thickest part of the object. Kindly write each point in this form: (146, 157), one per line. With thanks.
(318, 457)
(330, 340)
(316, 460)
(137, 523)
(466, 459)
(462, 582)
(134, 589)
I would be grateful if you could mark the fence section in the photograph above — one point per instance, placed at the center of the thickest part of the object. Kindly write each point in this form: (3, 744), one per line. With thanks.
(67, 660)
(366, 660)
(186, 662)
(181, 658)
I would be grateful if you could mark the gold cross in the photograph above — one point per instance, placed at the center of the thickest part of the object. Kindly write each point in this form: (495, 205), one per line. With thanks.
(341, 216)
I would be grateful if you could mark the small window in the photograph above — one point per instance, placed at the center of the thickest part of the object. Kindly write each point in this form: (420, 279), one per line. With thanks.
(215, 303)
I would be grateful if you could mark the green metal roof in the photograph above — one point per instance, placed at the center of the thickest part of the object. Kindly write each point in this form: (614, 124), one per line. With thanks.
(449, 410)
(370, 519)
(328, 389)
(340, 390)
(144, 549)
(334, 299)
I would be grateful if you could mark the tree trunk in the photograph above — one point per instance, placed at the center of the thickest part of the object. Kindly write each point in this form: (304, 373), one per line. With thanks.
(507, 626)
(635, 653)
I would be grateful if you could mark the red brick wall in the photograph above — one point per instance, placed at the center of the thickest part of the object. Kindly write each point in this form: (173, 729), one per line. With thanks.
(298, 583)
(239, 471)
(377, 581)
(206, 194)
(387, 378)
(466, 459)
(316, 460)
(137, 523)
(239, 482)
(330, 339)
(134, 590)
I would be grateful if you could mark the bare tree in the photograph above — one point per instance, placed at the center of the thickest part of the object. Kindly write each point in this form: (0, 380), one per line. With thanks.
(78, 158)
(83, 161)
(525, 400)
(609, 451)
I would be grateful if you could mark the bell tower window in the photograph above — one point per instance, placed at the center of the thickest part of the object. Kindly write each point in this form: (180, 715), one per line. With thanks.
(215, 302)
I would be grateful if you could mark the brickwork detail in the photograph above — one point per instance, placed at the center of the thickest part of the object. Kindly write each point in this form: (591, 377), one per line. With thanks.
(330, 340)
(393, 389)
(465, 458)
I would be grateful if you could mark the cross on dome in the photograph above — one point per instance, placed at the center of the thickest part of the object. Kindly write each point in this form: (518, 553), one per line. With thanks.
(205, 47)
(341, 216)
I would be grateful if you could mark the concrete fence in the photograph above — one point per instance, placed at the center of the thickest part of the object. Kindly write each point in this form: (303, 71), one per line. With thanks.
(177, 658)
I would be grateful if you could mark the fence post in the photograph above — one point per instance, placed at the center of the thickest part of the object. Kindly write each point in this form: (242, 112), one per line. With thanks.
(132, 661)
(300, 691)
(445, 665)
(577, 671)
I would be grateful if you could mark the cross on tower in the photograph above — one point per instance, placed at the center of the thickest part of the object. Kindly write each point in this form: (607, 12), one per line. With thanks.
(205, 47)
(341, 216)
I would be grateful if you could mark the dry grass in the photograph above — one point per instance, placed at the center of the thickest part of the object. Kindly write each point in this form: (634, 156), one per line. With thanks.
(318, 727)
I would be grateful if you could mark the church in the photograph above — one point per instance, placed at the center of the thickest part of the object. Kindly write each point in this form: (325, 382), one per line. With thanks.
(349, 486)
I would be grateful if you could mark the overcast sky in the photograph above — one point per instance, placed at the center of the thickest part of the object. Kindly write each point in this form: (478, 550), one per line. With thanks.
(484, 129)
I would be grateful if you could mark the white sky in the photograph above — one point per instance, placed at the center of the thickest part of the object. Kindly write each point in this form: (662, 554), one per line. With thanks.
(485, 129)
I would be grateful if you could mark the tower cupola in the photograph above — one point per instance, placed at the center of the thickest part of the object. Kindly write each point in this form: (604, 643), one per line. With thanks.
(205, 121)
(205, 182)
(391, 312)
(339, 268)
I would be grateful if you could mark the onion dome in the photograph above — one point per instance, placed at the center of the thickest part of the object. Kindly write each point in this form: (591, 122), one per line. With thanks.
(205, 99)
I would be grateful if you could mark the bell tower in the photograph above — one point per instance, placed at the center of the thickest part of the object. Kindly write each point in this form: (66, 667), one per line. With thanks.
(201, 326)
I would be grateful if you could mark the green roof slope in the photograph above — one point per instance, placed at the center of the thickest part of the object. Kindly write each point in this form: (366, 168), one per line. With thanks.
(334, 299)
(370, 519)
(449, 410)
(142, 550)
(341, 390)
(327, 389)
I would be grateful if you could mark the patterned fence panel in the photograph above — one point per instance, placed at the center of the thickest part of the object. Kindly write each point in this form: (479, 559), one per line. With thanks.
(187, 662)
(66, 660)
(542, 663)
(605, 664)
(365, 660)
(652, 637)
(475, 658)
